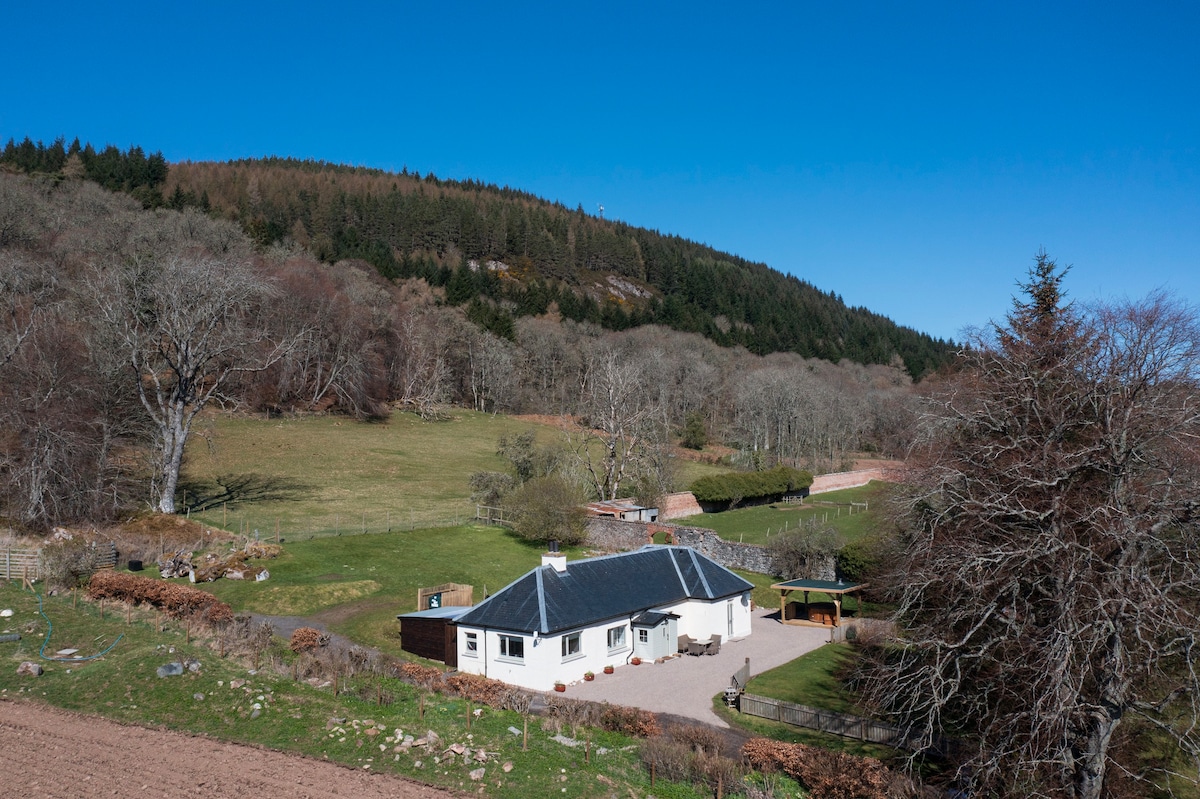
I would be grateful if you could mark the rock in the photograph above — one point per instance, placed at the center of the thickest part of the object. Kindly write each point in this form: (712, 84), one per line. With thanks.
(235, 684)
(6, 613)
(514, 730)
(478, 773)
(257, 712)
(370, 732)
(198, 697)
(457, 749)
(170, 670)
(507, 767)
(29, 669)
(192, 665)
(481, 756)
(66, 653)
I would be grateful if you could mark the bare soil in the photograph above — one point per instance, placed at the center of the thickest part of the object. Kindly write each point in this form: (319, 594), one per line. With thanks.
(58, 755)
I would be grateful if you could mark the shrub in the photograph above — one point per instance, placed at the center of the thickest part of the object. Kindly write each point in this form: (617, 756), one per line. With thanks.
(733, 487)
(826, 774)
(69, 563)
(630, 721)
(307, 639)
(177, 601)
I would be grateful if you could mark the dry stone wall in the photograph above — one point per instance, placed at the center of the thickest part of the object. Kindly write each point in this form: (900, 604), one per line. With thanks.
(615, 535)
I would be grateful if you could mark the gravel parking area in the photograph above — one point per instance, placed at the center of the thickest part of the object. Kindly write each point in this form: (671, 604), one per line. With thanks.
(685, 685)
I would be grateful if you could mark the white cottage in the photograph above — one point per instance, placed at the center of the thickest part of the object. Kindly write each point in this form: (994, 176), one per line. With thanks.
(561, 620)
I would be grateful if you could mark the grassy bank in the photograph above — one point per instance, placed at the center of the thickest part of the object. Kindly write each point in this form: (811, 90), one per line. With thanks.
(272, 710)
(356, 584)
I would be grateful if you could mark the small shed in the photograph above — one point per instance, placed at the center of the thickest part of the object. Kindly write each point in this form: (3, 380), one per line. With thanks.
(624, 509)
(431, 633)
(815, 614)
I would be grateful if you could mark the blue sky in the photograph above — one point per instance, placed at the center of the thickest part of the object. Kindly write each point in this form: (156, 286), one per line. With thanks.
(912, 157)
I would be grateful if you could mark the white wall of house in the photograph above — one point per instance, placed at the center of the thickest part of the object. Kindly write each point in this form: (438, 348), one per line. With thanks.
(541, 665)
(701, 619)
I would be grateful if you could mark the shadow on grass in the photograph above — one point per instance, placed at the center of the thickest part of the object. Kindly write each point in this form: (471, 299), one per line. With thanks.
(232, 489)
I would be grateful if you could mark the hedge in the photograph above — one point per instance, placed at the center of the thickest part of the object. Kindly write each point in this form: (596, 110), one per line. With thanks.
(735, 486)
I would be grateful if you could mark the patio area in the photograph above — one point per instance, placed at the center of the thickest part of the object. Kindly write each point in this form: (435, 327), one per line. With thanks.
(686, 685)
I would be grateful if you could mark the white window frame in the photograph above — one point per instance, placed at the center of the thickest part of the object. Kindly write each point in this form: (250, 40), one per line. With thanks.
(505, 647)
(570, 652)
(471, 644)
(617, 633)
(643, 636)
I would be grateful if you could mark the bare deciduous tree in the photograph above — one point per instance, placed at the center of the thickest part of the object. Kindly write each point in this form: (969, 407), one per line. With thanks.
(186, 324)
(1049, 582)
(616, 433)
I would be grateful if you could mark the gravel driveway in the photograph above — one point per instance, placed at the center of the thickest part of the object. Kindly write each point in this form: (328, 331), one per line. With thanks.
(685, 685)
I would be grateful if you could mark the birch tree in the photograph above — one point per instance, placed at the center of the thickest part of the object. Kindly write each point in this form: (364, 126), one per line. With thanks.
(1049, 579)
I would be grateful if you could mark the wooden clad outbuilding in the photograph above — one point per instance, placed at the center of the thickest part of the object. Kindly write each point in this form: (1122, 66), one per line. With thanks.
(431, 633)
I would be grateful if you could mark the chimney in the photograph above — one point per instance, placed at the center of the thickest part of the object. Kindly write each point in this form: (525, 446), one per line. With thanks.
(555, 558)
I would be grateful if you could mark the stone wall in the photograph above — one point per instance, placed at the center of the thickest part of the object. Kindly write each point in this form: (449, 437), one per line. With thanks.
(614, 535)
(840, 480)
(678, 505)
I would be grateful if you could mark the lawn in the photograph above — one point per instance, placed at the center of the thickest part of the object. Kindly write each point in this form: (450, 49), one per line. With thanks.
(809, 680)
(324, 475)
(758, 524)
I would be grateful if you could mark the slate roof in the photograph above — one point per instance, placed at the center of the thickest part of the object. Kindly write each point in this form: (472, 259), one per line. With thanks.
(596, 589)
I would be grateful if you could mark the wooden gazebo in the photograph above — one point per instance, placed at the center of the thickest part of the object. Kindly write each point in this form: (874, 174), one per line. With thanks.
(818, 614)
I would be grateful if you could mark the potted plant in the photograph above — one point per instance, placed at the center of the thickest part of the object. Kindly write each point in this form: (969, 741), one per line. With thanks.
(560, 687)
(635, 660)
(589, 676)
(608, 669)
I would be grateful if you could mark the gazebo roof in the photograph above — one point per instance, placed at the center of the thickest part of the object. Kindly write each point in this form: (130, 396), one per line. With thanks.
(825, 586)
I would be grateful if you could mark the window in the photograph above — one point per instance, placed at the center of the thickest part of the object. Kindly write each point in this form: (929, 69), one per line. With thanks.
(643, 636)
(571, 647)
(472, 644)
(512, 647)
(616, 637)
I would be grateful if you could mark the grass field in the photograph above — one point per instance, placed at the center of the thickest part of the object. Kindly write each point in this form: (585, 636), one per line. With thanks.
(274, 711)
(356, 584)
(327, 475)
(757, 525)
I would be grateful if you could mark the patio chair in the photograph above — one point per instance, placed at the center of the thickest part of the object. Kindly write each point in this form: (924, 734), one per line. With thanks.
(685, 641)
(714, 646)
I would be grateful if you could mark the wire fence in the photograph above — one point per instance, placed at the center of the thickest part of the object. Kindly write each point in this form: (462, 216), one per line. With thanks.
(280, 529)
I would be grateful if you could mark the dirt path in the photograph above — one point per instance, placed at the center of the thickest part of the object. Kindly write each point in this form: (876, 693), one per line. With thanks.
(52, 754)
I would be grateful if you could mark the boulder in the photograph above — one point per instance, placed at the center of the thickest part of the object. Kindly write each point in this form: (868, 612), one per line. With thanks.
(170, 670)
(30, 669)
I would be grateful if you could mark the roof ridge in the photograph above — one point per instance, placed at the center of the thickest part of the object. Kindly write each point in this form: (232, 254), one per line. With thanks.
(541, 598)
(700, 573)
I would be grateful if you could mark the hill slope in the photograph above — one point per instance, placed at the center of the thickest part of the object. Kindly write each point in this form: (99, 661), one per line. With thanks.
(505, 253)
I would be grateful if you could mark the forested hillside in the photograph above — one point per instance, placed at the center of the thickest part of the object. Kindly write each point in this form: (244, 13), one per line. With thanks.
(119, 324)
(504, 254)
